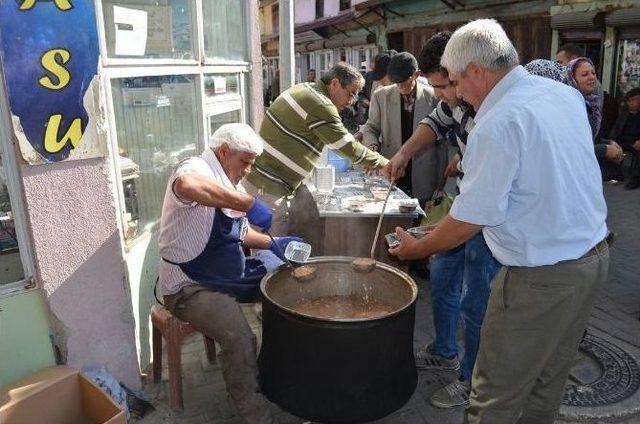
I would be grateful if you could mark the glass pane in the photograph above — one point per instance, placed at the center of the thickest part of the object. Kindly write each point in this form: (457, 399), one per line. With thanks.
(148, 28)
(216, 121)
(11, 269)
(221, 87)
(225, 30)
(156, 127)
(628, 66)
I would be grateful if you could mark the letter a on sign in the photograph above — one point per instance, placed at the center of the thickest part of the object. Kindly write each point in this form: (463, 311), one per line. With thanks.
(60, 4)
(50, 74)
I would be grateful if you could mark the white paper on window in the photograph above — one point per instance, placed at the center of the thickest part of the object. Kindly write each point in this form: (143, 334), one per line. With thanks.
(131, 31)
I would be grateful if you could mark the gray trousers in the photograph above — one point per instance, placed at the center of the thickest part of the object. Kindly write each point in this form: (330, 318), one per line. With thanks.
(530, 335)
(220, 317)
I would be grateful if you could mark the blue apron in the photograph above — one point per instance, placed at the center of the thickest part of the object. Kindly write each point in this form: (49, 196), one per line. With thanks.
(222, 265)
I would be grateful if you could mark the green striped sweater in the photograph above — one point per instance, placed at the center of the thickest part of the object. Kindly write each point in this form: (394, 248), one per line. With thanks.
(299, 123)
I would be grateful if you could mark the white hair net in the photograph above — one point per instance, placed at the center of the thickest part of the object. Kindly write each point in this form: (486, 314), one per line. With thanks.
(239, 137)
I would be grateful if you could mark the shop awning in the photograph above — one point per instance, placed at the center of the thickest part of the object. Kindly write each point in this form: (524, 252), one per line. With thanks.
(623, 17)
(307, 36)
(578, 20)
(336, 42)
(371, 3)
(340, 18)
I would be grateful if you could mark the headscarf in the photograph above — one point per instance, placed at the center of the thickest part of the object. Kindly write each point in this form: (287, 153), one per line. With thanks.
(594, 100)
(548, 69)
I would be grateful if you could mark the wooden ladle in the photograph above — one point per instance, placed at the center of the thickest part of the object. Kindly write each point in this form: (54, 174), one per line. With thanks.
(368, 264)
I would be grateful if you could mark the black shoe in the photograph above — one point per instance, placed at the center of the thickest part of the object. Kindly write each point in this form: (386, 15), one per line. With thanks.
(633, 183)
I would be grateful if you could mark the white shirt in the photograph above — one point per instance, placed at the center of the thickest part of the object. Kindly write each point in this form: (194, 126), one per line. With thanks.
(185, 227)
(531, 176)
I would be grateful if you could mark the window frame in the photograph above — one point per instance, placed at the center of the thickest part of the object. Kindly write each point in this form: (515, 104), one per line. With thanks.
(117, 68)
(9, 154)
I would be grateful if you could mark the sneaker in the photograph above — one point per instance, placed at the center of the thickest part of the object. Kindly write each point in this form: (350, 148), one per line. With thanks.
(426, 359)
(452, 395)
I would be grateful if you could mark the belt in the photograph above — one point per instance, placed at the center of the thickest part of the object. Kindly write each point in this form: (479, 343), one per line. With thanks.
(597, 249)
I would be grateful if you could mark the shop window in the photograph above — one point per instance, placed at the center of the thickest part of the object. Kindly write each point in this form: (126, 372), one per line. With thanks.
(221, 87)
(216, 121)
(225, 33)
(156, 127)
(11, 268)
(324, 59)
(149, 29)
(222, 103)
(628, 72)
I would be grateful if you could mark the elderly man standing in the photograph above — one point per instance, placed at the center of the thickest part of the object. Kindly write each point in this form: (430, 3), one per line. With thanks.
(204, 272)
(395, 111)
(532, 185)
(297, 126)
(461, 277)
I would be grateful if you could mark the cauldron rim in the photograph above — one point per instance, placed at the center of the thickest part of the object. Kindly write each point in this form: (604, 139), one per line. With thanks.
(348, 259)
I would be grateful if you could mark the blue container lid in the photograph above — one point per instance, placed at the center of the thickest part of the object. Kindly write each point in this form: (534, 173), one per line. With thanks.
(338, 162)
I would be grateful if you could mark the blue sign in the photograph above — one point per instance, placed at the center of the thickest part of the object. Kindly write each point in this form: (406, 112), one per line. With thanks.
(50, 55)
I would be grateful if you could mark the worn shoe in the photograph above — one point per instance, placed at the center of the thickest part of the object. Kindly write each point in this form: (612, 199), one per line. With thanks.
(426, 359)
(452, 395)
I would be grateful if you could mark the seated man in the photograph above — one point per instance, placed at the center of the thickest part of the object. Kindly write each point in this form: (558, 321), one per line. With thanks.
(395, 111)
(204, 270)
(626, 132)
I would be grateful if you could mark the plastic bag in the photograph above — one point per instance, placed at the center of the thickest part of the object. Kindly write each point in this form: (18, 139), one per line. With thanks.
(436, 208)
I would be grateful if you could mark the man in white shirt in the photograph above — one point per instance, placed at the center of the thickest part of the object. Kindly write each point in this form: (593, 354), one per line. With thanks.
(533, 186)
(204, 271)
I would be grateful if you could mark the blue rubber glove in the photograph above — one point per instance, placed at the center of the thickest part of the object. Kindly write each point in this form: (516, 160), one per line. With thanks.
(260, 215)
(279, 245)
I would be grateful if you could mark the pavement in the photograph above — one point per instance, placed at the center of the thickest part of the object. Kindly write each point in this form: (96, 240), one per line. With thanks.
(614, 325)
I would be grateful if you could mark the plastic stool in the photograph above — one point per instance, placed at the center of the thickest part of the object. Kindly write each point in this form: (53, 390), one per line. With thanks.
(174, 331)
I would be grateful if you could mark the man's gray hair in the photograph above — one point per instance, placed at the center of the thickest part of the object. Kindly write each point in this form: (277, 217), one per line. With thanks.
(239, 137)
(345, 73)
(482, 41)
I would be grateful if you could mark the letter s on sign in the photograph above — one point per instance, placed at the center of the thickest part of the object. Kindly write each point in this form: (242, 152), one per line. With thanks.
(52, 61)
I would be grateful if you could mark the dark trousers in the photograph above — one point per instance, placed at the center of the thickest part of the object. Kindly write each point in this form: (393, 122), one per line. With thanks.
(220, 317)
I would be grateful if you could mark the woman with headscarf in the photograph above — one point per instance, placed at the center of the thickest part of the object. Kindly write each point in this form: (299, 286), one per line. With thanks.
(580, 74)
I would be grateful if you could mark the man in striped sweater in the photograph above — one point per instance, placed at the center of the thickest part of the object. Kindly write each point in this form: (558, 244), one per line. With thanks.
(297, 125)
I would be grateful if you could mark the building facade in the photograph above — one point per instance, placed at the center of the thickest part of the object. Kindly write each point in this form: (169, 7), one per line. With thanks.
(326, 32)
(78, 243)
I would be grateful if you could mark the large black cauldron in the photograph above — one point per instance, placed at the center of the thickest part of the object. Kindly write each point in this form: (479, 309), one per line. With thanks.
(338, 370)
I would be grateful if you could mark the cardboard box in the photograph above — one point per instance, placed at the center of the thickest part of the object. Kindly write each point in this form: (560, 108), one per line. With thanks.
(57, 395)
